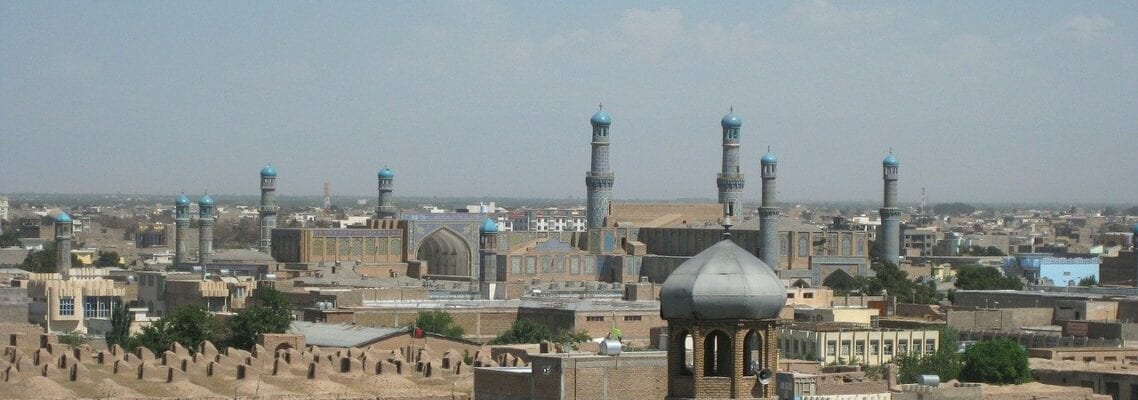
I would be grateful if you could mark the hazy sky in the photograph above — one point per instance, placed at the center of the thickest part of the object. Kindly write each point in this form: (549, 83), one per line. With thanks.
(981, 101)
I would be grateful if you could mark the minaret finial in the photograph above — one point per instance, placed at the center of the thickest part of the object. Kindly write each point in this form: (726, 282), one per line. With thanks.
(768, 149)
(890, 149)
(731, 109)
(600, 106)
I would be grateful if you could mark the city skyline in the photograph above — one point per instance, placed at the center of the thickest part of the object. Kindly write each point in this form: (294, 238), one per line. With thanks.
(981, 102)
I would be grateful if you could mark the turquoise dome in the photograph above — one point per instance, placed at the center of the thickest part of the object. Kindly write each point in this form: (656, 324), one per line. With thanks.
(731, 121)
(205, 201)
(1134, 228)
(63, 218)
(769, 158)
(268, 171)
(386, 173)
(182, 200)
(601, 118)
(489, 226)
(890, 161)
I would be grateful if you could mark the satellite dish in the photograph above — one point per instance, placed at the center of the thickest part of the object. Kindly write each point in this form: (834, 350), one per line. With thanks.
(765, 376)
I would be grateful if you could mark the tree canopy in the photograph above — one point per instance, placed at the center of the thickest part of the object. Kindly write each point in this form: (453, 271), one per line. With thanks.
(945, 362)
(190, 325)
(890, 278)
(976, 277)
(999, 361)
(107, 259)
(527, 331)
(43, 261)
(439, 322)
(268, 312)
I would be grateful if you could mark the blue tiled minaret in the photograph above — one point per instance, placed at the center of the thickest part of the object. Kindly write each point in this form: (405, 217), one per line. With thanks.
(890, 215)
(268, 208)
(488, 257)
(386, 208)
(205, 230)
(768, 213)
(599, 179)
(181, 229)
(730, 179)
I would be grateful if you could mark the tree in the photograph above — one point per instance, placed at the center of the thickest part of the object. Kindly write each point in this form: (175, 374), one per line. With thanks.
(268, 312)
(190, 325)
(527, 331)
(975, 277)
(121, 319)
(107, 259)
(43, 261)
(1088, 281)
(945, 362)
(439, 322)
(999, 361)
(10, 239)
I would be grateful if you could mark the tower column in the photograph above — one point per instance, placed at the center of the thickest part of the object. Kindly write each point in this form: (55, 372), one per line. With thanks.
(63, 244)
(768, 214)
(268, 208)
(488, 260)
(890, 235)
(386, 185)
(205, 230)
(181, 229)
(600, 177)
(730, 178)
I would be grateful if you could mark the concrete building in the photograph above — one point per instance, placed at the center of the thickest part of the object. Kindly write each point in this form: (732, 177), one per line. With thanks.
(1047, 270)
(164, 292)
(844, 343)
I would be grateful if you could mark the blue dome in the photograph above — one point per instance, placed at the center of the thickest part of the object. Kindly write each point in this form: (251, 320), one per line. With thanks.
(731, 121)
(890, 161)
(386, 173)
(205, 201)
(268, 171)
(769, 158)
(1134, 228)
(489, 226)
(182, 200)
(63, 218)
(601, 118)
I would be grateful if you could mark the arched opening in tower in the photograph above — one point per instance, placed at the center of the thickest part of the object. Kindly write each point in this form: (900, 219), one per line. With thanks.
(717, 354)
(445, 253)
(752, 353)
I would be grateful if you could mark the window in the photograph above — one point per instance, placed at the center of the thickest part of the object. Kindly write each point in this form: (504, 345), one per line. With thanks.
(598, 318)
(930, 345)
(845, 348)
(717, 354)
(67, 305)
(752, 352)
(859, 348)
(902, 347)
(631, 317)
(831, 348)
(790, 295)
(873, 345)
(808, 295)
(888, 348)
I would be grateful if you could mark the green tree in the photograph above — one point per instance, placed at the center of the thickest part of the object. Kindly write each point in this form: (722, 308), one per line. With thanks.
(975, 277)
(1088, 281)
(439, 322)
(73, 339)
(526, 331)
(999, 361)
(268, 312)
(107, 259)
(945, 362)
(121, 319)
(43, 261)
(10, 239)
(190, 326)
(889, 277)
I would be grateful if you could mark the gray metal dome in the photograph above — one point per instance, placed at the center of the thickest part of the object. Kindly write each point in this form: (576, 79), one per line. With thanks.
(722, 282)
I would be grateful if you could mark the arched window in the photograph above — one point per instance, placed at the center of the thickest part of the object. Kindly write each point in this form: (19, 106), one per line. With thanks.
(717, 354)
(680, 347)
(752, 353)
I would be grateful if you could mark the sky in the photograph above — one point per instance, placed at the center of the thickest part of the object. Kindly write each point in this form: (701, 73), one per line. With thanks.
(979, 100)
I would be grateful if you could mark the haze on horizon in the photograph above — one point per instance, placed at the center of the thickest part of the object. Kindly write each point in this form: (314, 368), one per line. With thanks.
(981, 101)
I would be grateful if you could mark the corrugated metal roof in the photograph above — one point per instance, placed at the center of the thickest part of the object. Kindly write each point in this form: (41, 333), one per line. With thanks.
(341, 335)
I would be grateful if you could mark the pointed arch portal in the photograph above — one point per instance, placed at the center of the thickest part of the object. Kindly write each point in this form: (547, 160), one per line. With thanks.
(445, 253)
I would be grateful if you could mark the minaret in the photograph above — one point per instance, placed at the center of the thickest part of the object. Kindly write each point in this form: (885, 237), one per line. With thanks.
(205, 230)
(599, 178)
(890, 215)
(63, 244)
(488, 257)
(768, 214)
(181, 229)
(386, 208)
(730, 180)
(268, 207)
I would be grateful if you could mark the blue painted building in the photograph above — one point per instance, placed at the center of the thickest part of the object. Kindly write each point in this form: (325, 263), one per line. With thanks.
(1045, 269)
